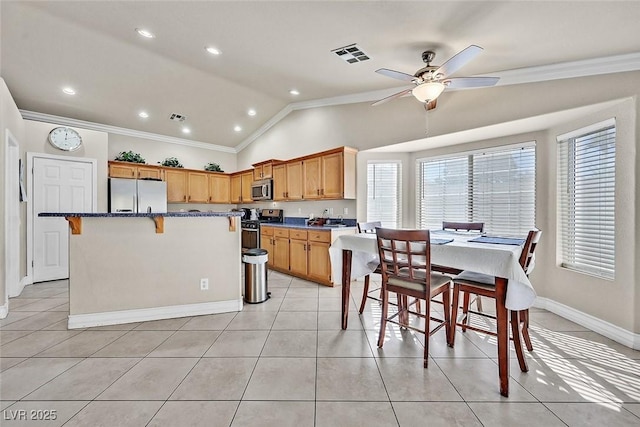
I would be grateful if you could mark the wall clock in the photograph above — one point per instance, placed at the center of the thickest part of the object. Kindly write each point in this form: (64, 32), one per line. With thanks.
(64, 138)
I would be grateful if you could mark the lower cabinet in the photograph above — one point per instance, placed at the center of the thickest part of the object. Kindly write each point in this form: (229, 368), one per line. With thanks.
(300, 252)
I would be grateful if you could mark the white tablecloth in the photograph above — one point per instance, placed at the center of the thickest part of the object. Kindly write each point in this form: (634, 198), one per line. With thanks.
(493, 259)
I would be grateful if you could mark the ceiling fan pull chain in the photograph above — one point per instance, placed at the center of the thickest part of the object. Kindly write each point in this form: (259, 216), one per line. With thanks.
(426, 123)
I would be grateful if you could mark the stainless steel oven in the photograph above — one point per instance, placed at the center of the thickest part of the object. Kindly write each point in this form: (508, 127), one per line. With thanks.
(250, 231)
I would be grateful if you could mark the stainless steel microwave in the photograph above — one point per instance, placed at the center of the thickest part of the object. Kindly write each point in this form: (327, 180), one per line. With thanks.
(262, 190)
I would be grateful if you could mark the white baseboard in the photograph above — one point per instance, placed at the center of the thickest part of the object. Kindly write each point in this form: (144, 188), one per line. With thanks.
(4, 310)
(158, 313)
(600, 326)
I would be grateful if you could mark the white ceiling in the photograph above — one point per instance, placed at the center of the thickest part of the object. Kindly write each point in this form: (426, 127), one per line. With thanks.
(270, 47)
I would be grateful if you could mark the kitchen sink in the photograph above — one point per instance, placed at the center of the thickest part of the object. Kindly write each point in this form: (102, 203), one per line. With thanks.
(334, 225)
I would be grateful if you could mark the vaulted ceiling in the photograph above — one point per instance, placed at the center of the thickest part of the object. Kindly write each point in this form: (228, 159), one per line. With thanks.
(268, 48)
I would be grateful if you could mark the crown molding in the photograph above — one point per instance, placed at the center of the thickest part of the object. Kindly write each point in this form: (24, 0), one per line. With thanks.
(65, 121)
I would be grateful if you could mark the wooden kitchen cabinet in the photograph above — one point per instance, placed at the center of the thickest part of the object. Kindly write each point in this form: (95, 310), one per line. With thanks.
(198, 187)
(281, 248)
(177, 185)
(247, 180)
(267, 243)
(330, 176)
(312, 176)
(219, 186)
(133, 171)
(295, 184)
(319, 263)
(241, 186)
(298, 252)
(279, 173)
(263, 170)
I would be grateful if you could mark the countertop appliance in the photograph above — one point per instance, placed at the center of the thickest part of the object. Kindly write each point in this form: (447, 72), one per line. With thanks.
(137, 195)
(251, 227)
(262, 190)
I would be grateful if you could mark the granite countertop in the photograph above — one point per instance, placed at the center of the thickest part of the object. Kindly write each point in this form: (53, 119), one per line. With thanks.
(139, 215)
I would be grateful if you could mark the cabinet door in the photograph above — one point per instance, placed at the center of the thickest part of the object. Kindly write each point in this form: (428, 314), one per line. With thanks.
(332, 186)
(266, 243)
(236, 189)
(267, 171)
(281, 253)
(122, 171)
(176, 185)
(298, 256)
(319, 267)
(149, 172)
(247, 180)
(198, 187)
(312, 178)
(280, 182)
(219, 188)
(257, 173)
(295, 183)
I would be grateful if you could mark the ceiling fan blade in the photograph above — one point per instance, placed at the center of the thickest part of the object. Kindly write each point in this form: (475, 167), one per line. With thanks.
(458, 60)
(391, 97)
(468, 82)
(395, 74)
(430, 105)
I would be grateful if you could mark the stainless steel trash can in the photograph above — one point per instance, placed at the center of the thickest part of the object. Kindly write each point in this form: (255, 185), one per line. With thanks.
(255, 276)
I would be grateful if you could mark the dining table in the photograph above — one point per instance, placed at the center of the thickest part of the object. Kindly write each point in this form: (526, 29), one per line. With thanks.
(356, 255)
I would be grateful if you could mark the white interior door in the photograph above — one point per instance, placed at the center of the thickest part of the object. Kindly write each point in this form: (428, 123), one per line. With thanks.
(58, 186)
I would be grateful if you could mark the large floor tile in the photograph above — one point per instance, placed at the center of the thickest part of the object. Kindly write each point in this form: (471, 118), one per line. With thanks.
(8, 336)
(31, 321)
(300, 292)
(45, 413)
(296, 320)
(553, 322)
(163, 325)
(299, 304)
(238, 344)
(8, 362)
(370, 414)
(283, 379)
(35, 343)
(335, 304)
(210, 322)
(83, 344)
(29, 375)
(186, 344)
(252, 321)
(134, 344)
(44, 304)
(332, 320)
(436, 414)
(216, 379)
(150, 379)
(109, 414)
(343, 344)
(274, 414)
(593, 414)
(291, 344)
(406, 379)
(271, 304)
(197, 413)
(84, 381)
(350, 379)
(510, 414)
(397, 343)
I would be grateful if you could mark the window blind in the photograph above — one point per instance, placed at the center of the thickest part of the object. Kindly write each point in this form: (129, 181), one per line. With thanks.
(495, 187)
(384, 188)
(586, 201)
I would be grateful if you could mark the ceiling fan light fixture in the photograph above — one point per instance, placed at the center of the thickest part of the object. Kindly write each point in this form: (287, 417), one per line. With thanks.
(427, 92)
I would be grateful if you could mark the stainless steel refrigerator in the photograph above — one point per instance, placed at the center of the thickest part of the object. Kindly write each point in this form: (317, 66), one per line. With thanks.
(137, 195)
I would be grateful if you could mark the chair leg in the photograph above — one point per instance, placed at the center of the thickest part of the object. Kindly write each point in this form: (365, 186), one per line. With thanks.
(517, 343)
(454, 316)
(465, 310)
(479, 303)
(427, 331)
(383, 322)
(446, 302)
(524, 319)
(364, 294)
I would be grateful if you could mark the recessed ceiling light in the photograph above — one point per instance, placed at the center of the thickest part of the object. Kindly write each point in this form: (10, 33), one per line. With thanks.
(294, 92)
(143, 114)
(251, 112)
(145, 33)
(186, 130)
(69, 91)
(237, 128)
(212, 50)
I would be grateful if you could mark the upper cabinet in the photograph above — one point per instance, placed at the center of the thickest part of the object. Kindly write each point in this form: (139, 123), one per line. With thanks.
(219, 186)
(241, 186)
(177, 185)
(198, 189)
(134, 171)
(263, 170)
(280, 182)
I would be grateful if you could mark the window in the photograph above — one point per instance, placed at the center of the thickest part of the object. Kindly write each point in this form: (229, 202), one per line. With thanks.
(384, 187)
(586, 199)
(495, 187)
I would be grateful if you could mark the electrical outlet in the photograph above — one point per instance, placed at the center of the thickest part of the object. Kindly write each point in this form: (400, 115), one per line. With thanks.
(204, 284)
(346, 211)
(331, 211)
(299, 211)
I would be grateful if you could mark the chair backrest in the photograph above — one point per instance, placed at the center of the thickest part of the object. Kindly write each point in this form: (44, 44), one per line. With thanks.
(405, 254)
(368, 227)
(466, 226)
(529, 248)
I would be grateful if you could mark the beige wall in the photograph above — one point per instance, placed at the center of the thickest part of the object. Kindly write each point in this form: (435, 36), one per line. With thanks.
(11, 120)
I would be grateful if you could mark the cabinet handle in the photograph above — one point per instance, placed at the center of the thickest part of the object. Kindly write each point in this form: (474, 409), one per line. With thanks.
(322, 191)
(210, 199)
(133, 173)
(318, 191)
(184, 198)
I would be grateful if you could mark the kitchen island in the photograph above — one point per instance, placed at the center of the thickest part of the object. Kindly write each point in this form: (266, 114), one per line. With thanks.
(133, 267)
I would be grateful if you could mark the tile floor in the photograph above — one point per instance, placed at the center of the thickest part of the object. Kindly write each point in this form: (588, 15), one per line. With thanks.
(287, 363)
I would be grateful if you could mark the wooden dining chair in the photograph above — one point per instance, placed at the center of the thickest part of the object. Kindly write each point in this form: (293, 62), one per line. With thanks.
(405, 261)
(469, 282)
(463, 226)
(369, 227)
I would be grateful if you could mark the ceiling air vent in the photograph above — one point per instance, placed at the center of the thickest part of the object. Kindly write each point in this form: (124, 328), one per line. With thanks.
(351, 53)
(177, 117)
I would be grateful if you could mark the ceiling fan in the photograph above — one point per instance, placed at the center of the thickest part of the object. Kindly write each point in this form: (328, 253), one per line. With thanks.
(431, 80)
